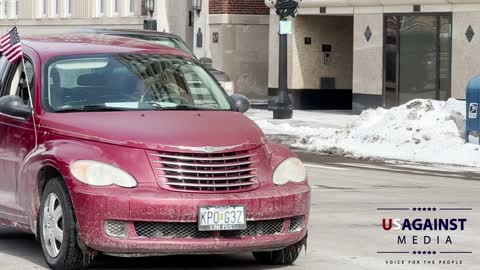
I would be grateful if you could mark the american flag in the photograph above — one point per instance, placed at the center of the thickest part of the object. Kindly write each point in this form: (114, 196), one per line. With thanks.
(10, 46)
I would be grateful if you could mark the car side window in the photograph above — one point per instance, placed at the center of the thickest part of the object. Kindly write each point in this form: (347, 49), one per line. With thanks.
(18, 81)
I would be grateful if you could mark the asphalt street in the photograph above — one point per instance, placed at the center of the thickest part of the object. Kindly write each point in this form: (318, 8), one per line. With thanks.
(350, 199)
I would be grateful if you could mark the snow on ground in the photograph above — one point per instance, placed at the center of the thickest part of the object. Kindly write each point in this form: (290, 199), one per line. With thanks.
(304, 123)
(425, 131)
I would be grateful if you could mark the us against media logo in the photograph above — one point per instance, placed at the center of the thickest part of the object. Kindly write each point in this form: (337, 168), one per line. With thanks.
(425, 235)
(427, 227)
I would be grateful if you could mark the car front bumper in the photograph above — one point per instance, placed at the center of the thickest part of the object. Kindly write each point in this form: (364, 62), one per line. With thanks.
(95, 206)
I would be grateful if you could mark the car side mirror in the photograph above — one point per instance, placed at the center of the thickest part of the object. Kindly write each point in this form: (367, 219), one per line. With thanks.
(208, 62)
(241, 102)
(14, 106)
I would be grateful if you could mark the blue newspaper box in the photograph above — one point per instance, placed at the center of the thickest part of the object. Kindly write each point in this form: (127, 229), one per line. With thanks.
(473, 100)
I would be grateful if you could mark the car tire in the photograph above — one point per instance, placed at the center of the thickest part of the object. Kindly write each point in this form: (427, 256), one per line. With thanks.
(58, 230)
(286, 256)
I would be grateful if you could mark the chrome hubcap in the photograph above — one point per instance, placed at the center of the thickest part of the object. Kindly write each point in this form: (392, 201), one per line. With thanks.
(52, 225)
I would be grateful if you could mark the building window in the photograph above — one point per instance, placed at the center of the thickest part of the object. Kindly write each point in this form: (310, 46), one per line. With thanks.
(43, 8)
(116, 7)
(100, 8)
(131, 7)
(54, 7)
(128, 8)
(3, 9)
(14, 8)
(68, 8)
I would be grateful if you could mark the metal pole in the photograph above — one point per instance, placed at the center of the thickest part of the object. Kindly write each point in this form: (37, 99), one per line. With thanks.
(27, 81)
(283, 108)
(281, 104)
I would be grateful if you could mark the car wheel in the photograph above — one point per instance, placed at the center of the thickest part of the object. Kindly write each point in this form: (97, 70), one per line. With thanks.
(57, 228)
(286, 256)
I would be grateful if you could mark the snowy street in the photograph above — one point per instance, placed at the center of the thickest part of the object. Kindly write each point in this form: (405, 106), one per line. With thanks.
(421, 131)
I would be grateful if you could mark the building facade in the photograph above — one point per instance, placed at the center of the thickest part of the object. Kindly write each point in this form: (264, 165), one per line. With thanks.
(235, 35)
(175, 17)
(367, 53)
(57, 16)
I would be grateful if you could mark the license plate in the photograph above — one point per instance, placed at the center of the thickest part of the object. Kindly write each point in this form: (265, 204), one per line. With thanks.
(222, 218)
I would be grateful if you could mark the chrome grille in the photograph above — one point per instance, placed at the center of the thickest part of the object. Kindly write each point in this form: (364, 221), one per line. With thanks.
(219, 172)
(296, 224)
(169, 230)
(257, 228)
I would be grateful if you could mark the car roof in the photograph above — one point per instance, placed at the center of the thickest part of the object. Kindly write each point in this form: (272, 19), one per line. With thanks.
(74, 44)
(126, 32)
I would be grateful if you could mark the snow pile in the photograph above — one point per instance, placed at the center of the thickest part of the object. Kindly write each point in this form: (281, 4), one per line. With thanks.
(297, 131)
(424, 131)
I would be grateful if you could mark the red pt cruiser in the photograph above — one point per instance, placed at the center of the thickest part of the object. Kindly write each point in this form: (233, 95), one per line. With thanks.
(133, 149)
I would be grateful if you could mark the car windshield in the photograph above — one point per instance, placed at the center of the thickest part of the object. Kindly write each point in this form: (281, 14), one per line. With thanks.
(131, 82)
(165, 41)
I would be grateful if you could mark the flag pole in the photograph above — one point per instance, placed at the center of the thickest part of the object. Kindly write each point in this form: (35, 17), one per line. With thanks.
(27, 81)
(29, 91)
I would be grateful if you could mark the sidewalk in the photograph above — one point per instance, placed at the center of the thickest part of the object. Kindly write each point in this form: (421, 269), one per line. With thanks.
(421, 131)
(311, 119)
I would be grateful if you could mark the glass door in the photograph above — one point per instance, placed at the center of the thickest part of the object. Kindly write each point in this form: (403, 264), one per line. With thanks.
(445, 57)
(417, 58)
(391, 55)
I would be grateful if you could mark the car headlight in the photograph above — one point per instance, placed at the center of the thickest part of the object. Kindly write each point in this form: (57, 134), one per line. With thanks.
(100, 174)
(289, 170)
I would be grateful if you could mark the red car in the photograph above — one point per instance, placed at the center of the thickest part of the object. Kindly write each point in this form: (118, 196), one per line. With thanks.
(133, 149)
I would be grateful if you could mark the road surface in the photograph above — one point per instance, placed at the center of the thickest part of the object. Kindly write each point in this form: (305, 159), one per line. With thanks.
(345, 227)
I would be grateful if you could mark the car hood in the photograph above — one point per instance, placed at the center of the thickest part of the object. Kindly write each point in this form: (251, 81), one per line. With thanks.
(181, 131)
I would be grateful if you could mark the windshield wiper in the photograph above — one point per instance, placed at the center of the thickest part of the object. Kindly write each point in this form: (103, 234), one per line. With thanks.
(91, 108)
